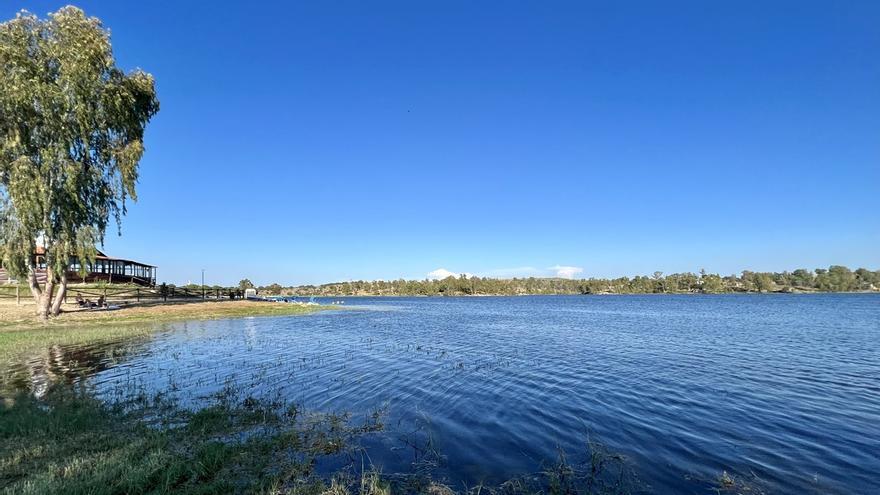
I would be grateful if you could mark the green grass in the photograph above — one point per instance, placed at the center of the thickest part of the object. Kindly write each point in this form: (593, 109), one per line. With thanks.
(23, 334)
(23, 317)
(71, 443)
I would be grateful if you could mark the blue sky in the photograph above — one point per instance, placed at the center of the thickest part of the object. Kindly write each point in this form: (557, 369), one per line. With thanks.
(308, 142)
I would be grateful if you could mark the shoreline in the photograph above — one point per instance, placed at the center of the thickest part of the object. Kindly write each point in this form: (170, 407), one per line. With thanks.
(21, 332)
(21, 317)
(740, 293)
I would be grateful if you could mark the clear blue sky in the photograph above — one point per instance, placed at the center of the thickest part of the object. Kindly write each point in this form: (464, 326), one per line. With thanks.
(307, 142)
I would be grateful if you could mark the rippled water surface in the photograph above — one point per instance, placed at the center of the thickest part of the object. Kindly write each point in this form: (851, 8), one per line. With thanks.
(780, 390)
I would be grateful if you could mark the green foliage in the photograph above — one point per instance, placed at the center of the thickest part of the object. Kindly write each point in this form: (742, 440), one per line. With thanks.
(245, 284)
(835, 279)
(272, 289)
(71, 138)
(802, 278)
(711, 284)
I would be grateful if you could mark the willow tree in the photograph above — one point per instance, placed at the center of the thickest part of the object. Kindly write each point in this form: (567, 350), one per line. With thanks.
(71, 137)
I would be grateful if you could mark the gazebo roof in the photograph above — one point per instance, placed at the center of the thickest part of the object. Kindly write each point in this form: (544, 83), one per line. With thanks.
(101, 256)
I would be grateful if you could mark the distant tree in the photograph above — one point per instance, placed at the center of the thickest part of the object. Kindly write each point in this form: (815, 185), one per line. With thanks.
(802, 278)
(866, 279)
(245, 284)
(784, 279)
(658, 285)
(641, 285)
(763, 282)
(838, 279)
(823, 280)
(71, 138)
(711, 283)
(272, 289)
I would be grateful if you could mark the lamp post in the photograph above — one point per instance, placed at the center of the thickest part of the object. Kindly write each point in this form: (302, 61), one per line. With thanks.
(203, 283)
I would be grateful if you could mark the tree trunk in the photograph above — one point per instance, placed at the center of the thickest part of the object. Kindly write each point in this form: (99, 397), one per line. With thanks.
(45, 301)
(33, 284)
(59, 296)
(42, 296)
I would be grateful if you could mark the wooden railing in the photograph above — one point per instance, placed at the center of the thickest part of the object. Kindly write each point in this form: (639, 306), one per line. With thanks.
(13, 292)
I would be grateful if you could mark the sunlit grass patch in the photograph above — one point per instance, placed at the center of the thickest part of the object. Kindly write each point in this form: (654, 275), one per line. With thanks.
(20, 333)
(22, 317)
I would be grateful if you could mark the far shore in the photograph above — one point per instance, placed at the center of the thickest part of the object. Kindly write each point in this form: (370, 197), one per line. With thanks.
(679, 293)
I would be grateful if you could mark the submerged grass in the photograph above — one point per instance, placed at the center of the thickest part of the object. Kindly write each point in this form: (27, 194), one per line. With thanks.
(69, 442)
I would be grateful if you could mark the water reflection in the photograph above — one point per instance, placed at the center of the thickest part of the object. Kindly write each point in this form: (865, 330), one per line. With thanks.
(37, 371)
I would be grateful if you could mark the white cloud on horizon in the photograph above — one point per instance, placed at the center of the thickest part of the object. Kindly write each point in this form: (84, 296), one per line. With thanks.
(566, 271)
(441, 273)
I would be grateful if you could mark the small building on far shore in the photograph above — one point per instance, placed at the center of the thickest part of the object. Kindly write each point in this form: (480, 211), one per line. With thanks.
(105, 269)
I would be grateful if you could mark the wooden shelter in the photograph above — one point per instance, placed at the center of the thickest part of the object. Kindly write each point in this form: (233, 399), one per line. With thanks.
(104, 269)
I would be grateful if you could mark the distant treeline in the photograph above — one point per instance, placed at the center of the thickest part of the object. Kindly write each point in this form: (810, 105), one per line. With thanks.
(834, 279)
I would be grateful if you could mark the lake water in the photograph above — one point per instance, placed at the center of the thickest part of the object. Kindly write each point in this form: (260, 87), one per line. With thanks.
(781, 391)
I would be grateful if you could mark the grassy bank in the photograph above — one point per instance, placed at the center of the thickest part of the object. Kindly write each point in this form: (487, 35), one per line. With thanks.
(22, 316)
(20, 331)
